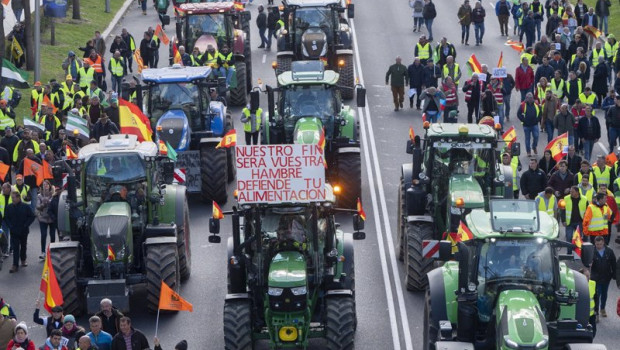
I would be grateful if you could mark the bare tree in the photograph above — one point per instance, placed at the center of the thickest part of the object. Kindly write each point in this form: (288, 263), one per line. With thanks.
(29, 34)
(76, 9)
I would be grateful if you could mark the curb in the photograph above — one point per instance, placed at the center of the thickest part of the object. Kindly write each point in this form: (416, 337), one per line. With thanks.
(116, 19)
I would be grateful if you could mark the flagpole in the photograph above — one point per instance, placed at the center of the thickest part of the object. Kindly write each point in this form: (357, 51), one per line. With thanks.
(157, 322)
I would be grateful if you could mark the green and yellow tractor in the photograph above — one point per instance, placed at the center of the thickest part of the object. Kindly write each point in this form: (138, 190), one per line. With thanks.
(125, 225)
(503, 286)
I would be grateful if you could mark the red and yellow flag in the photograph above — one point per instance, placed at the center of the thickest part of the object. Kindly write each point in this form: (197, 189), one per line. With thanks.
(411, 134)
(111, 253)
(159, 31)
(558, 147)
(4, 170)
(577, 242)
(133, 121)
(47, 170)
(592, 31)
(474, 64)
(175, 53)
(171, 300)
(360, 210)
(70, 154)
(322, 145)
(138, 58)
(510, 136)
(32, 168)
(463, 233)
(229, 140)
(163, 149)
(49, 285)
(515, 45)
(217, 211)
(238, 5)
(500, 62)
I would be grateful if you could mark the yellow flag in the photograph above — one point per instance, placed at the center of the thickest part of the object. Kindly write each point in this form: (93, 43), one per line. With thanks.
(16, 49)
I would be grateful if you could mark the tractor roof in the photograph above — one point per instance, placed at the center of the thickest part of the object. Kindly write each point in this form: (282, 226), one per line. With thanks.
(469, 130)
(308, 72)
(304, 3)
(207, 7)
(175, 74)
(119, 144)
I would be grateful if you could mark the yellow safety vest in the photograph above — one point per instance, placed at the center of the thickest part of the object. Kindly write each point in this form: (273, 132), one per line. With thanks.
(5, 120)
(583, 205)
(549, 207)
(604, 177)
(424, 51)
(10, 94)
(3, 203)
(35, 146)
(23, 192)
(592, 290)
(514, 164)
(595, 55)
(617, 194)
(587, 194)
(588, 100)
(86, 76)
(446, 72)
(580, 176)
(557, 88)
(37, 97)
(117, 67)
(211, 59)
(579, 87)
(195, 60)
(598, 222)
(529, 57)
(225, 59)
(247, 126)
(542, 91)
(5, 310)
(611, 50)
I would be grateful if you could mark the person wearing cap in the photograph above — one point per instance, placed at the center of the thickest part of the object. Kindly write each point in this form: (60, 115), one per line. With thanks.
(99, 338)
(71, 331)
(20, 340)
(21, 186)
(86, 74)
(54, 321)
(118, 70)
(7, 116)
(182, 345)
(104, 127)
(36, 96)
(68, 86)
(196, 57)
(225, 63)
(72, 65)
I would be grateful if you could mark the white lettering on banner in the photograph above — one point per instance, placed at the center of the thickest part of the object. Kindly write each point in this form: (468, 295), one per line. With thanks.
(499, 72)
(280, 174)
(190, 161)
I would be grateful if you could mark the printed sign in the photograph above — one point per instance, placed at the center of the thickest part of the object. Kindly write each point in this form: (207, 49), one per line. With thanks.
(499, 72)
(280, 174)
(190, 162)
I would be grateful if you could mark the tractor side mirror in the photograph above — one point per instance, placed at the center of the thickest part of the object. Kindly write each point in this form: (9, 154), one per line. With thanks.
(445, 250)
(361, 97)
(214, 226)
(351, 10)
(359, 236)
(409, 149)
(358, 223)
(515, 149)
(165, 20)
(215, 239)
(587, 253)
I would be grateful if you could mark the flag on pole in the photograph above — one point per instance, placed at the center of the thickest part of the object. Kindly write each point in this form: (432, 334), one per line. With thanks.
(166, 150)
(592, 31)
(138, 58)
(558, 147)
(47, 102)
(32, 168)
(47, 170)
(16, 49)
(175, 53)
(133, 121)
(4, 170)
(360, 210)
(217, 211)
(411, 134)
(577, 242)
(171, 300)
(515, 45)
(34, 126)
(13, 76)
(49, 285)
(80, 124)
(70, 154)
(159, 31)
(229, 140)
(510, 136)
(474, 64)
(463, 233)
(238, 5)
(500, 62)
(111, 253)
(322, 146)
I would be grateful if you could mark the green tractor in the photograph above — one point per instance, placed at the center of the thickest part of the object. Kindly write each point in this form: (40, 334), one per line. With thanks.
(452, 161)
(125, 226)
(506, 287)
(310, 105)
(291, 276)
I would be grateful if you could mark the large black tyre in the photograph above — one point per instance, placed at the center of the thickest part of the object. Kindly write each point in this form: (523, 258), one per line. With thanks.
(347, 77)
(231, 168)
(350, 179)
(284, 64)
(416, 265)
(65, 262)
(247, 52)
(340, 323)
(184, 244)
(400, 228)
(213, 173)
(238, 325)
(239, 95)
(431, 326)
(162, 264)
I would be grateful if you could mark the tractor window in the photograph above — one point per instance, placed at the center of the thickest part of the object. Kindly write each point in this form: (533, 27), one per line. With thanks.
(286, 225)
(314, 17)
(164, 97)
(474, 160)
(308, 101)
(106, 171)
(517, 260)
(213, 24)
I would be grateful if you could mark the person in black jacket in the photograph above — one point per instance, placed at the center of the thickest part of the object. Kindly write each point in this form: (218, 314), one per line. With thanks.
(272, 25)
(261, 23)
(432, 72)
(18, 216)
(416, 80)
(429, 13)
(533, 180)
(138, 340)
(104, 127)
(55, 321)
(603, 270)
(589, 131)
(146, 52)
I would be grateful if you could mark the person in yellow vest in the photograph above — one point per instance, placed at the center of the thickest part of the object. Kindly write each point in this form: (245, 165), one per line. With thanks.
(558, 85)
(593, 319)
(19, 152)
(36, 96)
(597, 217)
(86, 74)
(611, 203)
(118, 70)
(588, 98)
(5, 199)
(22, 189)
(574, 209)
(586, 189)
(546, 202)
(6, 310)
(611, 50)
(7, 116)
(98, 64)
(513, 162)
(77, 95)
(452, 70)
(226, 64)
(603, 173)
(585, 170)
(210, 57)
(252, 123)
(423, 50)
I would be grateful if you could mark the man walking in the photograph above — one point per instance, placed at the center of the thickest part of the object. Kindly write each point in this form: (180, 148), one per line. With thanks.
(261, 23)
(589, 130)
(529, 115)
(429, 13)
(129, 338)
(252, 121)
(416, 80)
(477, 17)
(18, 216)
(118, 70)
(573, 213)
(603, 271)
(524, 78)
(398, 73)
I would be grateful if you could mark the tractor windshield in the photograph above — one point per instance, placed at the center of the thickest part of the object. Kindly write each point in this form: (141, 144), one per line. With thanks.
(528, 261)
(308, 101)
(314, 17)
(111, 175)
(187, 96)
(287, 224)
(214, 24)
(474, 159)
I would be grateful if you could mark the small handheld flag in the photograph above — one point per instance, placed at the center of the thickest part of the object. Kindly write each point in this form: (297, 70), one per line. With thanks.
(577, 242)
(360, 210)
(171, 300)
(411, 134)
(70, 154)
(49, 284)
(510, 136)
(558, 147)
(500, 62)
(229, 140)
(217, 211)
(474, 64)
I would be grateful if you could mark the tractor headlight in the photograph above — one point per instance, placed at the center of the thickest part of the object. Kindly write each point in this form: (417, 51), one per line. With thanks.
(297, 291)
(511, 344)
(542, 344)
(275, 292)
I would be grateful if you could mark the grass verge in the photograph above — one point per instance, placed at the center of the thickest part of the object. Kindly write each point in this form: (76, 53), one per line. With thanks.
(614, 15)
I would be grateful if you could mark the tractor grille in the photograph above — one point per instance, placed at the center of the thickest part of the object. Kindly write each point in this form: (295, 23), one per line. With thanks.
(171, 131)
(287, 302)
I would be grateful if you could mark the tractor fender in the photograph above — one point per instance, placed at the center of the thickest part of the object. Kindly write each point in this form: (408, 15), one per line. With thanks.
(285, 53)
(582, 308)
(237, 296)
(407, 174)
(349, 150)
(437, 290)
(348, 266)
(339, 292)
(214, 140)
(64, 245)
(172, 210)
(236, 274)
(161, 240)
(344, 52)
(351, 128)
(238, 44)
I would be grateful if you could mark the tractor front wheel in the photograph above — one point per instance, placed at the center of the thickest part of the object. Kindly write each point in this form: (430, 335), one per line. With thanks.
(347, 77)
(213, 173)
(431, 326)
(416, 265)
(340, 323)
(349, 179)
(239, 95)
(238, 325)
(183, 244)
(65, 262)
(162, 264)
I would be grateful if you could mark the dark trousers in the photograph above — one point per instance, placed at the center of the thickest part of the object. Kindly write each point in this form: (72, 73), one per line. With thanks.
(251, 138)
(19, 243)
(417, 96)
(129, 60)
(600, 298)
(473, 109)
(270, 35)
(398, 94)
(45, 227)
(263, 39)
(503, 23)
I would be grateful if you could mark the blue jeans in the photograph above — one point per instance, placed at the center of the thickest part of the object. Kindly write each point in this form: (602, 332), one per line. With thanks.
(429, 26)
(479, 31)
(570, 230)
(549, 130)
(263, 38)
(601, 294)
(500, 114)
(587, 149)
(507, 106)
(603, 22)
(432, 116)
(18, 14)
(226, 72)
(143, 4)
(614, 134)
(531, 132)
(538, 23)
(465, 33)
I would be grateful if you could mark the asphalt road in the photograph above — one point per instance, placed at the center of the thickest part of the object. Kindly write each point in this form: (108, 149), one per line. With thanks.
(389, 316)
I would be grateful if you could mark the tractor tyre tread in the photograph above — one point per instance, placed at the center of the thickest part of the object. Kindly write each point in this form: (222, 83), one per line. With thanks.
(350, 178)
(162, 264)
(213, 173)
(347, 78)
(340, 323)
(416, 265)
(239, 95)
(238, 325)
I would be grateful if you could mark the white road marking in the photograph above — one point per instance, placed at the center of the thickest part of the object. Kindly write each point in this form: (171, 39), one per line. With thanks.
(386, 219)
(602, 146)
(492, 5)
(264, 58)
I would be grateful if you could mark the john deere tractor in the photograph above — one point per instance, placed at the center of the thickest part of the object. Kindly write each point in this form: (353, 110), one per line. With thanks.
(125, 226)
(317, 30)
(176, 100)
(200, 24)
(291, 276)
(506, 287)
(452, 161)
(309, 105)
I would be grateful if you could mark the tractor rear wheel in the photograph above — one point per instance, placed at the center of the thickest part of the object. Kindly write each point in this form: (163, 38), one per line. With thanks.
(65, 262)
(247, 52)
(238, 325)
(239, 95)
(431, 326)
(284, 64)
(230, 151)
(401, 222)
(350, 179)
(340, 323)
(183, 244)
(162, 264)
(416, 265)
(347, 77)
(213, 173)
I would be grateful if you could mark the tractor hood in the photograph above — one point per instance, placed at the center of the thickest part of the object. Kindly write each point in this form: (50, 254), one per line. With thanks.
(308, 131)
(112, 227)
(522, 321)
(287, 270)
(173, 127)
(204, 41)
(314, 43)
(466, 187)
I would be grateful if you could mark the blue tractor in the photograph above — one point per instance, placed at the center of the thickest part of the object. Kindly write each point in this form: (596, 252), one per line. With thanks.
(176, 100)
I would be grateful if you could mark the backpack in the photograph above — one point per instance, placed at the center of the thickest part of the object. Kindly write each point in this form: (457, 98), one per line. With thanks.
(418, 6)
(429, 11)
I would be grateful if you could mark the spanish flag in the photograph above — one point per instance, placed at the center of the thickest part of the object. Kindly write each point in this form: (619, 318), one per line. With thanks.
(577, 242)
(32, 168)
(360, 210)
(4, 170)
(515, 45)
(474, 64)
(411, 134)
(238, 6)
(175, 53)
(500, 62)
(111, 254)
(229, 140)
(217, 211)
(138, 58)
(171, 300)
(558, 147)
(322, 145)
(133, 121)
(70, 154)
(592, 31)
(49, 285)
(462, 234)
(510, 136)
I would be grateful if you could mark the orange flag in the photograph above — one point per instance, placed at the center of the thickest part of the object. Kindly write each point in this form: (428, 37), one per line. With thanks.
(229, 140)
(6, 2)
(47, 170)
(49, 285)
(360, 210)
(217, 211)
(47, 102)
(171, 300)
(159, 31)
(411, 134)
(70, 154)
(32, 168)
(4, 170)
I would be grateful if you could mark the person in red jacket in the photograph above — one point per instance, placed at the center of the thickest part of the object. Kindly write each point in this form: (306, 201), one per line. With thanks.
(21, 339)
(524, 78)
